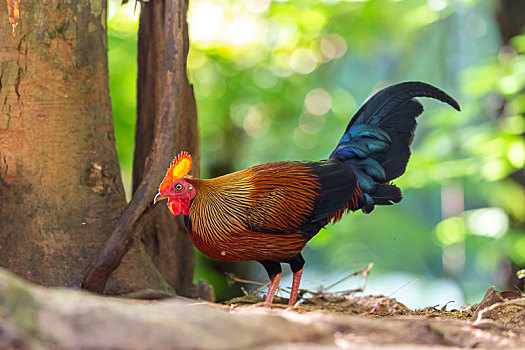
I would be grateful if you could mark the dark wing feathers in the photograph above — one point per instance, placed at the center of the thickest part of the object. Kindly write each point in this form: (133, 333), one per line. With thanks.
(281, 209)
(337, 187)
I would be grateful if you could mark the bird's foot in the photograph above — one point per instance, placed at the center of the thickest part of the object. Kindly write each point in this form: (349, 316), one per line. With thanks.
(295, 287)
(296, 307)
(271, 290)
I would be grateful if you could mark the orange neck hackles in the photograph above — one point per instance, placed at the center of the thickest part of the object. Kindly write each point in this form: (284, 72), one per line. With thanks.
(179, 168)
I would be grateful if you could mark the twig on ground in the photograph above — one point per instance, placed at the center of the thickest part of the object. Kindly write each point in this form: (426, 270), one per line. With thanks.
(444, 307)
(232, 279)
(214, 305)
(403, 286)
(351, 291)
(363, 271)
(296, 307)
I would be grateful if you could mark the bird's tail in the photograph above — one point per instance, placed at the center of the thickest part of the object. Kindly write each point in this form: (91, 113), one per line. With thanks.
(377, 140)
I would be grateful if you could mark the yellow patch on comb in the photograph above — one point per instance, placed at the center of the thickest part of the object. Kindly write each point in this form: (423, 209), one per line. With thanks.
(179, 168)
(181, 165)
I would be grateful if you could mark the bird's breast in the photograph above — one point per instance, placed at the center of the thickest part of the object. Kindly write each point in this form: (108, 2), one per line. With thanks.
(248, 245)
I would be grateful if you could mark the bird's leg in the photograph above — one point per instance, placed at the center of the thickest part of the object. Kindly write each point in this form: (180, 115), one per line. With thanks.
(297, 266)
(272, 289)
(274, 272)
(295, 286)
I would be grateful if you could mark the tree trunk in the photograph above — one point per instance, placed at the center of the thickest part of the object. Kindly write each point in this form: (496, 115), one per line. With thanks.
(164, 236)
(60, 183)
(511, 19)
(149, 246)
(162, 240)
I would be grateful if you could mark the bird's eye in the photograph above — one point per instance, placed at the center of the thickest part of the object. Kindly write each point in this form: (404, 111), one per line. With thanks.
(178, 187)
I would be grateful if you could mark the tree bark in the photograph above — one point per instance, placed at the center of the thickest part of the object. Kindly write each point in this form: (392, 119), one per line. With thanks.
(166, 122)
(164, 236)
(510, 18)
(511, 21)
(60, 183)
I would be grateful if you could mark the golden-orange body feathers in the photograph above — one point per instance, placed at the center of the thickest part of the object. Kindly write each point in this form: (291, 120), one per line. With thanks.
(253, 214)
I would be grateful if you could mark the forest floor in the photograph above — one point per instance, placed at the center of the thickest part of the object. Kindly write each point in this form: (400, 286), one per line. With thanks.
(497, 322)
(34, 317)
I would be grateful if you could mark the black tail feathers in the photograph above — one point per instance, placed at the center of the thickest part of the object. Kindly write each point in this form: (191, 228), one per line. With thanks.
(376, 142)
(385, 194)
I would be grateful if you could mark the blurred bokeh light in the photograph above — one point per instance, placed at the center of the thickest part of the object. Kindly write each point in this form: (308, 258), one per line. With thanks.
(277, 80)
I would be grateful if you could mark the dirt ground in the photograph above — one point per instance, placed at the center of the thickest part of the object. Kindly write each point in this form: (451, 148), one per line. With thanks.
(35, 317)
(379, 306)
(494, 323)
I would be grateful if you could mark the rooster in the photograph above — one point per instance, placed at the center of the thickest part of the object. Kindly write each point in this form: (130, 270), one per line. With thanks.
(269, 212)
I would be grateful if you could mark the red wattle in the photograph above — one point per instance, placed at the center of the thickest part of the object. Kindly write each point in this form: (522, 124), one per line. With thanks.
(174, 205)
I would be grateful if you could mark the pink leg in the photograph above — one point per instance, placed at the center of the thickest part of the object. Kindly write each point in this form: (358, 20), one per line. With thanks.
(272, 289)
(295, 286)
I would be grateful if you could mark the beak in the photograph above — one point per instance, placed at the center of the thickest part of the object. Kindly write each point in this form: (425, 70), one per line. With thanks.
(159, 197)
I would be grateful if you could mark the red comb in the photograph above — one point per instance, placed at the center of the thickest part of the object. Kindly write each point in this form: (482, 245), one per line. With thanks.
(179, 168)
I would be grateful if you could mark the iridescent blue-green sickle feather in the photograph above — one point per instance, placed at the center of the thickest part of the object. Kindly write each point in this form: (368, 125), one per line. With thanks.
(377, 140)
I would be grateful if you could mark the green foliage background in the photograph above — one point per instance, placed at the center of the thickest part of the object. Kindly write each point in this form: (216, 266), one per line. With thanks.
(280, 80)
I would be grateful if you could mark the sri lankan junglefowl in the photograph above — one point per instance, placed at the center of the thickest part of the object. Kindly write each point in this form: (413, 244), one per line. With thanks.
(269, 212)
